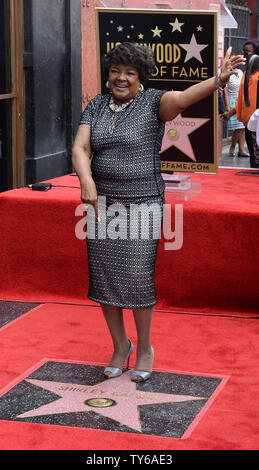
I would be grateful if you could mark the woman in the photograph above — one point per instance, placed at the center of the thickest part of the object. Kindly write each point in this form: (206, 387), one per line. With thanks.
(253, 126)
(123, 130)
(242, 109)
(230, 95)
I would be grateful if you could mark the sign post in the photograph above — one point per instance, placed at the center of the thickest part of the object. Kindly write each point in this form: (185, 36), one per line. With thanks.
(184, 44)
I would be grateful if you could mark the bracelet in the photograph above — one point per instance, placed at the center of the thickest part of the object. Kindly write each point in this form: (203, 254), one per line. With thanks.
(216, 82)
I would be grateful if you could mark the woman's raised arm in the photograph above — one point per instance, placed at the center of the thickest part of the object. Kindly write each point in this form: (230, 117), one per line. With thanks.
(175, 102)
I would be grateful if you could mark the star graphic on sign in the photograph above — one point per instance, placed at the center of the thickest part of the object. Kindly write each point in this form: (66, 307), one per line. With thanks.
(141, 36)
(117, 399)
(120, 28)
(177, 134)
(156, 32)
(176, 25)
(199, 28)
(193, 49)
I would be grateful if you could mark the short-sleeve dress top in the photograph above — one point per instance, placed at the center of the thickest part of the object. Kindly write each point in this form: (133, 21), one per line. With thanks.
(126, 162)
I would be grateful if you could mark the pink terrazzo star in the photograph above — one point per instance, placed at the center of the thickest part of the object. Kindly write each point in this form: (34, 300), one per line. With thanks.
(177, 134)
(121, 391)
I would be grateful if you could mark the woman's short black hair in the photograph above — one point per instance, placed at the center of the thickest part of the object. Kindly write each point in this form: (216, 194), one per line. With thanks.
(129, 53)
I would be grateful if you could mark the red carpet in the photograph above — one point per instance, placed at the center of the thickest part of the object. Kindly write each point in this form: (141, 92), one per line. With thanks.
(215, 271)
(205, 328)
(199, 345)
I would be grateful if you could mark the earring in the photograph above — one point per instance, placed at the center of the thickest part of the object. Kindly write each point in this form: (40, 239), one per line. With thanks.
(141, 87)
(107, 84)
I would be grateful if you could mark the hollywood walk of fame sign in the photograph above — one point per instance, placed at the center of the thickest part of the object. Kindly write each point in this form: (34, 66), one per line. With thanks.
(77, 394)
(184, 44)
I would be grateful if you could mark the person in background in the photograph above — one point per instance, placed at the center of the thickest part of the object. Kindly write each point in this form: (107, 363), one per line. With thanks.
(253, 127)
(230, 95)
(244, 108)
(221, 109)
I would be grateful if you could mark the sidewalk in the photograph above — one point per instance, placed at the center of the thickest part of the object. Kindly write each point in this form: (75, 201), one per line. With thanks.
(231, 162)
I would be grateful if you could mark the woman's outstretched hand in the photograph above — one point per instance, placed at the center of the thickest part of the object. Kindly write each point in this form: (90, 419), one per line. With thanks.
(229, 66)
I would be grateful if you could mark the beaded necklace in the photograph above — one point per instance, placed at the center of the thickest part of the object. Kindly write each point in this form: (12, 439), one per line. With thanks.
(116, 108)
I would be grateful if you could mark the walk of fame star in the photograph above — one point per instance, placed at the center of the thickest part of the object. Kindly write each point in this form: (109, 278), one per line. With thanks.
(76, 394)
(117, 399)
(177, 134)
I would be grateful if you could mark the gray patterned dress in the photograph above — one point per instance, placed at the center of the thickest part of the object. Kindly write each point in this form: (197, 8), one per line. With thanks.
(125, 166)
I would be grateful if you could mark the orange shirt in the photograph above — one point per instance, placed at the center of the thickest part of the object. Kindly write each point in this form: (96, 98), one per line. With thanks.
(244, 112)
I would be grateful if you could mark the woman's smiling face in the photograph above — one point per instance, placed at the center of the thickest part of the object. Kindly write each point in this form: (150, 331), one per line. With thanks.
(123, 82)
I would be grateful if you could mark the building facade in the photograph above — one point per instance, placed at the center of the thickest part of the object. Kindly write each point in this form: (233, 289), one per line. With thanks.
(49, 73)
(40, 88)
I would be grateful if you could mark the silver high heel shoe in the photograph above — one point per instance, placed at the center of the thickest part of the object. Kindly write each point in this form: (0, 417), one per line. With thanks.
(144, 375)
(116, 371)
